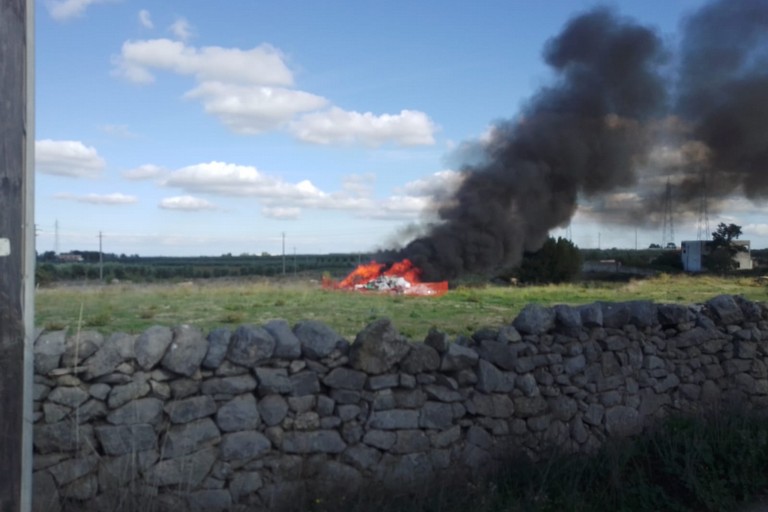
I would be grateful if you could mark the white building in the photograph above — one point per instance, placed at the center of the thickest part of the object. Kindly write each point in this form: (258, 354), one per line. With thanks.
(693, 252)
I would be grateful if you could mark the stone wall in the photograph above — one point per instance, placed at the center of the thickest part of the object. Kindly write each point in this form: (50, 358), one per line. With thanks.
(268, 413)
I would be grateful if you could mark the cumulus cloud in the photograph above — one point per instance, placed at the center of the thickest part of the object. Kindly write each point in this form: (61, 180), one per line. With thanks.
(67, 158)
(239, 180)
(62, 10)
(107, 199)
(145, 19)
(186, 203)
(252, 91)
(144, 172)
(439, 184)
(262, 65)
(252, 109)
(337, 126)
(755, 229)
(181, 29)
(398, 207)
(284, 200)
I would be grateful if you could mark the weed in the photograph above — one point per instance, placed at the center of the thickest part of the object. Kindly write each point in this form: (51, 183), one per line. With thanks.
(101, 319)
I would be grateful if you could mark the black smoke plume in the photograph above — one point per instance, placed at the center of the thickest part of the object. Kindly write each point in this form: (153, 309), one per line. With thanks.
(604, 125)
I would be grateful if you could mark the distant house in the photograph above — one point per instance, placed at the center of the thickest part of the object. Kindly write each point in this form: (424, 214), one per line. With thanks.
(70, 258)
(693, 252)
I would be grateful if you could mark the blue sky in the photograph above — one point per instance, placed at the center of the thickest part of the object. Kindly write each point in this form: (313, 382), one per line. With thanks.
(190, 127)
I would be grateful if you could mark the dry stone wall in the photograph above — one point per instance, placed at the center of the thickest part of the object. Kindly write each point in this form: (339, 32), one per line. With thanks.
(265, 415)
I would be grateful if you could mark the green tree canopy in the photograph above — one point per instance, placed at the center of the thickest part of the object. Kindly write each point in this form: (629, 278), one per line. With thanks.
(723, 248)
(557, 261)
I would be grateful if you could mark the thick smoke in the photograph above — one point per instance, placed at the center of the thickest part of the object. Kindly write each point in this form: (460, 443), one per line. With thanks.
(585, 134)
(723, 96)
(612, 121)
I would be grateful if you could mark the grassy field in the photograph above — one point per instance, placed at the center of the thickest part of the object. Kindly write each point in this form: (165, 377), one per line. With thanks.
(216, 303)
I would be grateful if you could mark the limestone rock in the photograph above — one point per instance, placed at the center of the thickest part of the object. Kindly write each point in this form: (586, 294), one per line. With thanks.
(151, 345)
(534, 319)
(378, 347)
(218, 345)
(318, 441)
(81, 346)
(48, 350)
(188, 470)
(421, 358)
(344, 378)
(725, 309)
(240, 413)
(250, 345)
(189, 437)
(190, 409)
(143, 410)
(273, 409)
(244, 445)
(287, 344)
(458, 357)
(317, 339)
(186, 351)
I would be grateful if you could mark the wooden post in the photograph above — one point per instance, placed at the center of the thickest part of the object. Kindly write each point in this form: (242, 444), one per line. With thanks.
(16, 138)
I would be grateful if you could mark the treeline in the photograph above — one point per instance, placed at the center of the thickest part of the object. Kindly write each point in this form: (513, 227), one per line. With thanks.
(51, 267)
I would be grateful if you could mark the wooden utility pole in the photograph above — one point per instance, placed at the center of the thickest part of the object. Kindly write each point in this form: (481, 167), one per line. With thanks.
(16, 228)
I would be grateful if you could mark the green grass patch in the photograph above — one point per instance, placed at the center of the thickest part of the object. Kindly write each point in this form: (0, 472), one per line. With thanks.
(209, 304)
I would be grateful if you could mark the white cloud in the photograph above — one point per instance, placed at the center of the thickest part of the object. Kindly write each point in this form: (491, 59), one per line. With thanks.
(359, 185)
(337, 126)
(118, 130)
(399, 208)
(181, 29)
(144, 172)
(240, 180)
(252, 109)
(251, 91)
(283, 200)
(281, 213)
(145, 19)
(440, 184)
(67, 158)
(755, 229)
(62, 10)
(262, 65)
(186, 203)
(108, 199)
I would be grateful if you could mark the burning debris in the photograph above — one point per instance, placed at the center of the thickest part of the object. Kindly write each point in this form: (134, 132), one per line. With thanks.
(399, 278)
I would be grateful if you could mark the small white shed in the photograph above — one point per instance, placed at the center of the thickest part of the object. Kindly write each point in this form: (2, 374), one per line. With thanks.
(693, 252)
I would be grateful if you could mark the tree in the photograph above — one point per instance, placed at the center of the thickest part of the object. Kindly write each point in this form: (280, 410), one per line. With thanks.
(723, 248)
(557, 261)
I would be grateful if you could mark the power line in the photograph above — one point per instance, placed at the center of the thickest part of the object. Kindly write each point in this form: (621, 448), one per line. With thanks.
(702, 225)
(668, 230)
(101, 259)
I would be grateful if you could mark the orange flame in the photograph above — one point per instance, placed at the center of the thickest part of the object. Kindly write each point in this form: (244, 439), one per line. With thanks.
(362, 274)
(405, 269)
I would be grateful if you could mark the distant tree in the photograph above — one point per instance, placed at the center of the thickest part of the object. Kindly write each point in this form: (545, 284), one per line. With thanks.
(654, 246)
(557, 261)
(723, 248)
(48, 256)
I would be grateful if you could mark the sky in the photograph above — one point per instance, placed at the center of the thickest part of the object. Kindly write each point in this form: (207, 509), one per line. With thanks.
(190, 127)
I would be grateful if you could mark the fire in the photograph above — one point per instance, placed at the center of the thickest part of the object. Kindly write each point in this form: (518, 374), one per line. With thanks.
(401, 277)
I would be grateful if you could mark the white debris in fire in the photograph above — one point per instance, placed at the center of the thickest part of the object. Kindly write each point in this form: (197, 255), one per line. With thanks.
(386, 283)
